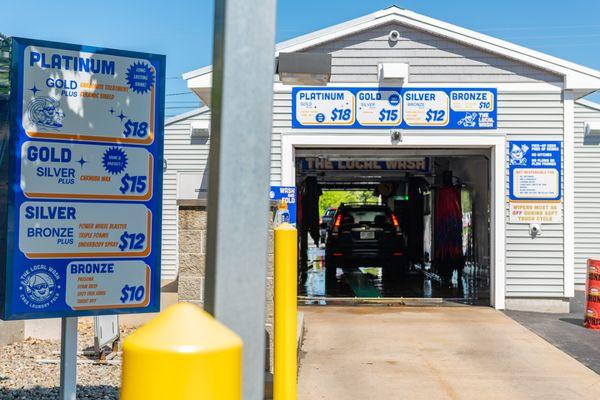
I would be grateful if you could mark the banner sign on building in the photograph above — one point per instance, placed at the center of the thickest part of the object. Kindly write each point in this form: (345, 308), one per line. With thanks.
(404, 108)
(535, 181)
(416, 165)
(286, 194)
(85, 182)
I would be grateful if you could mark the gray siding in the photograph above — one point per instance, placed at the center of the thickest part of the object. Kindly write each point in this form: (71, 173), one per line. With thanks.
(282, 121)
(587, 191)
(182, 154)
(534, 267)
(431, 59)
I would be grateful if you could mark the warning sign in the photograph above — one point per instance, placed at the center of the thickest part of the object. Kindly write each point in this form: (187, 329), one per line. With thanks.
(538, 212)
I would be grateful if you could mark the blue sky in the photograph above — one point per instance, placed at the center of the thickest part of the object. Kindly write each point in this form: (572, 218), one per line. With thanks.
(182, 29)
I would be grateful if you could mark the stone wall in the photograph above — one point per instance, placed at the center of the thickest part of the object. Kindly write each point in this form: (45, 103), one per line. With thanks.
(192, 251)
(11, 332)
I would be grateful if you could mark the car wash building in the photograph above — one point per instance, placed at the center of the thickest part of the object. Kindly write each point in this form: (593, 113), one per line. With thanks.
(482, 149)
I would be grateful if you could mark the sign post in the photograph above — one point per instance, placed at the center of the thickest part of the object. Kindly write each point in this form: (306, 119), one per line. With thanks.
(84, 197)
(237, 232)
(68, 358)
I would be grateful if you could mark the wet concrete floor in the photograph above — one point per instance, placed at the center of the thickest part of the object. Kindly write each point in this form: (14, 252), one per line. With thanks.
(418, 353)
(370, 281)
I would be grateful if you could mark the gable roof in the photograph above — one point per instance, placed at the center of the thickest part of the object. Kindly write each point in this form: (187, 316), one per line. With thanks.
(589, 104)
(186, 115)
(576, 77)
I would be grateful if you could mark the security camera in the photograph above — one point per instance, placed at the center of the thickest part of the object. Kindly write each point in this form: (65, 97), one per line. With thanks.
(396, 135)
(535, 229)
(394, 36)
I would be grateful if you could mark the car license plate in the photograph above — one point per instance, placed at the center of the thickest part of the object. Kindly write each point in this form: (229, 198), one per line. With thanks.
(367, 235)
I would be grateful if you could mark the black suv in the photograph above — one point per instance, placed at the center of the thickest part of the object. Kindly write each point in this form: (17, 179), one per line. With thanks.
(365, 235)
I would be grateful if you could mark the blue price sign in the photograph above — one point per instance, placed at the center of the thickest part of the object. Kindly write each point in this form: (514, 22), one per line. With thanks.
(85, 155)
(406, 108)
(286, 194)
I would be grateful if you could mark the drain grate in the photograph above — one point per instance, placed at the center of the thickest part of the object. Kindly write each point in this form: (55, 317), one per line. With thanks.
(376, 301)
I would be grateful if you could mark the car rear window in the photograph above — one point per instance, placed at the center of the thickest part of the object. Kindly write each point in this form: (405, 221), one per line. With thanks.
(329, 213)
(362, 216)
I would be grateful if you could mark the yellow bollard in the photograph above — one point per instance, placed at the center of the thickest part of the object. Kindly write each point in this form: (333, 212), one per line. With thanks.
(285, 357)
(182, 354)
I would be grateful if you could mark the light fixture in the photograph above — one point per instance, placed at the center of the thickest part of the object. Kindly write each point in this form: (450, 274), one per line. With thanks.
(200, 129)
(592, 128)
(394, 36)
(304, 68)
(393, 71)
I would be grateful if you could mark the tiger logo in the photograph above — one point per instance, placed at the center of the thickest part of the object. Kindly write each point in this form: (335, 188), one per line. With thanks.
(46, 112)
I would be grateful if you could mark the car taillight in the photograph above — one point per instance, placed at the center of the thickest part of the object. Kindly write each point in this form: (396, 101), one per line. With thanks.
(395, 223)
(336, 224)
(338, 220)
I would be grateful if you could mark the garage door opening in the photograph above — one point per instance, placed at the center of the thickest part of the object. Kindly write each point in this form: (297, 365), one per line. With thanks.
(386, 224)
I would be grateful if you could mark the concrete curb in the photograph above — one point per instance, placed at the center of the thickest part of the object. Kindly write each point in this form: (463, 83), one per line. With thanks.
(300, 332)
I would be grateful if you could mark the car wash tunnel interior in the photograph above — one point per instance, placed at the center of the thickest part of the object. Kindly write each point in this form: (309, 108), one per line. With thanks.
(393, 224)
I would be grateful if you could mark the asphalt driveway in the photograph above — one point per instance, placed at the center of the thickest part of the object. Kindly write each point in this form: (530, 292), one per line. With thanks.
(565, 331)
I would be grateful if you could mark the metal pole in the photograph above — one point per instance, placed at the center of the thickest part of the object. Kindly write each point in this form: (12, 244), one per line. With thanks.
(68, 358)
(286, 310)
(163, 361)
(237, 232)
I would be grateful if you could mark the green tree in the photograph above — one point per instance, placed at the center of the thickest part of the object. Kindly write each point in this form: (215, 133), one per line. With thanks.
(4, 64)
(333, 198)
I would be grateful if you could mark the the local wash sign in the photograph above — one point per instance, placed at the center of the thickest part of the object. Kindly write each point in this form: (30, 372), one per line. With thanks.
(82, 232)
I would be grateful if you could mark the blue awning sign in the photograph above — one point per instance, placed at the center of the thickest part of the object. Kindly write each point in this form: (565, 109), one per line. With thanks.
(405, 108)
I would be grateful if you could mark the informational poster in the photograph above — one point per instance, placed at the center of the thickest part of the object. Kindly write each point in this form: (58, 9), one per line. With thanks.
(405, 108)
(535, 182)
(85, 179)
(286, 194)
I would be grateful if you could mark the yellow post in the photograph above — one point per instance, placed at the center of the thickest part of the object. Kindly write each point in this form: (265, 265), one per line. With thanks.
(182, 354)
(285, 357)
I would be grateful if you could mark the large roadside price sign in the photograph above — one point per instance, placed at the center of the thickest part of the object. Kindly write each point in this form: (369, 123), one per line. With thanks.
(84, 172)
(404, 108)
